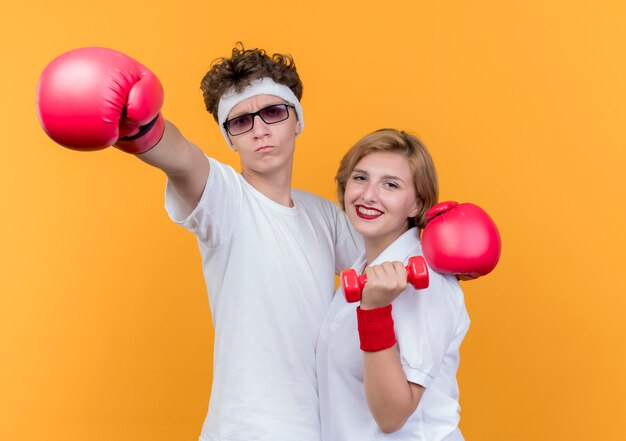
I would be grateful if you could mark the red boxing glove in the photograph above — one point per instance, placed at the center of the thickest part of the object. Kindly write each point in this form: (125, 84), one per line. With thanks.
(91, 98)
(460, 239)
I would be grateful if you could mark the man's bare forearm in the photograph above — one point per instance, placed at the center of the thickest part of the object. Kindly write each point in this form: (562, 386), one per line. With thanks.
(185, 165)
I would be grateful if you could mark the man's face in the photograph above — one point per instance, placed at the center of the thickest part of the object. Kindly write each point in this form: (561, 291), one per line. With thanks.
(266, 148)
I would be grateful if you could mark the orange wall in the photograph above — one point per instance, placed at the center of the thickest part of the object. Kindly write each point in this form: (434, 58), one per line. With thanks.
(105, 329)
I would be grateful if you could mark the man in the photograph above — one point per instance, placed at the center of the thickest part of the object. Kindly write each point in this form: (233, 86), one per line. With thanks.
(269, 252)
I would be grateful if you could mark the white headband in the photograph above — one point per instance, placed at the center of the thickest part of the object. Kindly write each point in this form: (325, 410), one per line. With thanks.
(261, 86)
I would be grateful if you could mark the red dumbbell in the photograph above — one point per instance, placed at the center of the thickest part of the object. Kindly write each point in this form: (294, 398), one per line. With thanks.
(416, 273)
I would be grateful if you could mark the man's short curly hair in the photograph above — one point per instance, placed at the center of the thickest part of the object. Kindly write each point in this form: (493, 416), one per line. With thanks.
(243, 67)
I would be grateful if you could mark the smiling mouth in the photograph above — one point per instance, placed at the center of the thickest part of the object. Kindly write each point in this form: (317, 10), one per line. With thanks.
(367, 213)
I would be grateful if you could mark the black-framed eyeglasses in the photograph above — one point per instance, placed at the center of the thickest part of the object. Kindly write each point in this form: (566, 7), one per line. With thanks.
(270, 115)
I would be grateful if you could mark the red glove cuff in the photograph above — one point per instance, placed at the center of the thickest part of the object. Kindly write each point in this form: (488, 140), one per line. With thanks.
(148, 136)
(375, 328)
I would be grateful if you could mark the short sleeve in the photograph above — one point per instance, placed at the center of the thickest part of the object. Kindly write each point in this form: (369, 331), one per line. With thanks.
(213, 219)
(427, 327)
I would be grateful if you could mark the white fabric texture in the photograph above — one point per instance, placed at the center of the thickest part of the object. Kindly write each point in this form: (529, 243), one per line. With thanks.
(269, 271)
(430, 325)
(261, 86)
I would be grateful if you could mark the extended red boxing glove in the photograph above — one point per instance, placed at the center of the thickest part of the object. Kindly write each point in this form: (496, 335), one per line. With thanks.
(92, 98)
(460, 239)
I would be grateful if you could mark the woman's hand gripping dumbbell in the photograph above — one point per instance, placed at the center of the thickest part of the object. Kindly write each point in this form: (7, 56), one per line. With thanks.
(353, 284)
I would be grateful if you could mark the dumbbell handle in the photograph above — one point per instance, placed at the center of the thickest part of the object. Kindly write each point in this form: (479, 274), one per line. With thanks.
(353, 284)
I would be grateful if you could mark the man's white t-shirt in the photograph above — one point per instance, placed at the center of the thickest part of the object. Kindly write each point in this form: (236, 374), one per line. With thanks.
(269, 271)
(429, 324)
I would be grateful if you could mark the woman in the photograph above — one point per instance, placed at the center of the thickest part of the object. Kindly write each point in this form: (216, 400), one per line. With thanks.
(390, 368)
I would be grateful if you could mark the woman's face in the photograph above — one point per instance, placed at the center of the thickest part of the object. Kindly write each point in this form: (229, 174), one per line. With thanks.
(380, 197)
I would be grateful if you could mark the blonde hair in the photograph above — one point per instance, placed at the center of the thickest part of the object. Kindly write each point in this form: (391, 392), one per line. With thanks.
(395, 141)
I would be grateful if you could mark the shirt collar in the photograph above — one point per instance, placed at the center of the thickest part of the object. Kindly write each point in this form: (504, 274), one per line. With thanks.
(405, 246)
